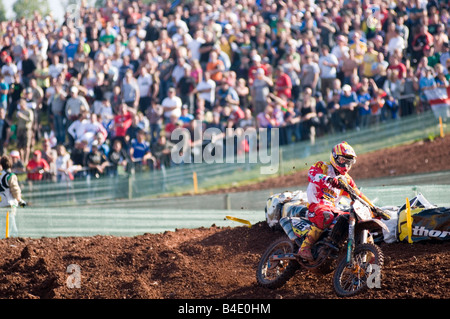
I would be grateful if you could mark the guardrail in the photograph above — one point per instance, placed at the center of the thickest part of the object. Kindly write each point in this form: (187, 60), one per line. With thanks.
(138, 216)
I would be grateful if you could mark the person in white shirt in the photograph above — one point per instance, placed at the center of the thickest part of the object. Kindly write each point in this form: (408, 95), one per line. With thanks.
(171, 105)
(206, 90)
(9, 70)
(75, 105)
(328, 64)
(55, 69)
(180, 69)
(144, 81)
(194, 45)
(341, 49)
(397, 42)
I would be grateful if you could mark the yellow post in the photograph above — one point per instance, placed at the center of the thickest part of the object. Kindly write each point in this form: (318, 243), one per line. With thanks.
(7, 225)
(239, 220)
(409, 221)
(194, 178)
(441, 126)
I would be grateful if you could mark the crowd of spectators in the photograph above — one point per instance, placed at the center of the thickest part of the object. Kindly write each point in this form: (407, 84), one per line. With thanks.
(105, 88)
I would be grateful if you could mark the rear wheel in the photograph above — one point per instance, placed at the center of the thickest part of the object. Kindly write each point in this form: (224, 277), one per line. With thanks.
(352, 278)
(274, 274)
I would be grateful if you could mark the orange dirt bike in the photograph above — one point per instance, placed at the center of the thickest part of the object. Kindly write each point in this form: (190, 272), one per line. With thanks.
(351, 233)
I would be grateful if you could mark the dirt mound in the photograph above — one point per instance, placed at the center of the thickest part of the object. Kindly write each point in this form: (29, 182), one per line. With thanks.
(204, 263)
(217, 263)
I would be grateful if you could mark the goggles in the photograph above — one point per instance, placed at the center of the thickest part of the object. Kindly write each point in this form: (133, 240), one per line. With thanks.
(345, 161)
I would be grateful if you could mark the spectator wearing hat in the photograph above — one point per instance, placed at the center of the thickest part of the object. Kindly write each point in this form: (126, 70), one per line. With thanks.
(256, 64)
(9, 70)
(75, 105)
(37, 167)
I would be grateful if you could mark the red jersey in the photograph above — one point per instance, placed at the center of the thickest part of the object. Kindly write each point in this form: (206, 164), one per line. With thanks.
(122, 123)
(283, 81)
(319, 191)
(33, 164)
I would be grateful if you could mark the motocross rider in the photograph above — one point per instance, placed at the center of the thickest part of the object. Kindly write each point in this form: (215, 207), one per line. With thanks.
(324, 191)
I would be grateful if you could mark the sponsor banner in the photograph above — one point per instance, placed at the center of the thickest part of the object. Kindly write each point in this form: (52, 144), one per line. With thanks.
(427, 224)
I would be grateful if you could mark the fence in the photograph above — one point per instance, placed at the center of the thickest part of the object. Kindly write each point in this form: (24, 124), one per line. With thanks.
(139, 216)
(180, 179)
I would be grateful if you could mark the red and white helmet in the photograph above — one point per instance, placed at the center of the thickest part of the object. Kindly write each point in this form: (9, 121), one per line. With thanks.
(342, 157)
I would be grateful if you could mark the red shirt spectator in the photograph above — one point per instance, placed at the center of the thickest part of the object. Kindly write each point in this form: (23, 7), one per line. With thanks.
(283, 85)
(36, 167)
(396, 64)
(257, 64)
(237, 114)
(122, 121)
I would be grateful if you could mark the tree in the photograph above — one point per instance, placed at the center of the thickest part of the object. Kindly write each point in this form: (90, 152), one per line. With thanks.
(2, 12)
(26, 8)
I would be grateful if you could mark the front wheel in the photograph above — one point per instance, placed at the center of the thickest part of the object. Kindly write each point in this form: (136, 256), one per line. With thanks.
(274, 274)
(351, 279)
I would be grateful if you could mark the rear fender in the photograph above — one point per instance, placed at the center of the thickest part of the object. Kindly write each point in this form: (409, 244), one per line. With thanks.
(371, 225)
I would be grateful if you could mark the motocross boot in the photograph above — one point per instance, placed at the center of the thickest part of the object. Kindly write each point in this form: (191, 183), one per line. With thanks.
(312, 236)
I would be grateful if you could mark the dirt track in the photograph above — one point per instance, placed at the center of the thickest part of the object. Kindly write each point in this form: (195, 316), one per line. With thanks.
(215, 263)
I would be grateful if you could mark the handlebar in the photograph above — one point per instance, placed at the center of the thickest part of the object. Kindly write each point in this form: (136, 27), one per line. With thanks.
(376, 210)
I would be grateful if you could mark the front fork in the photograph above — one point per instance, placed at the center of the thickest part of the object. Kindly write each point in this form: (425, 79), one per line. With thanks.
(351, 239)
(364, 238)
